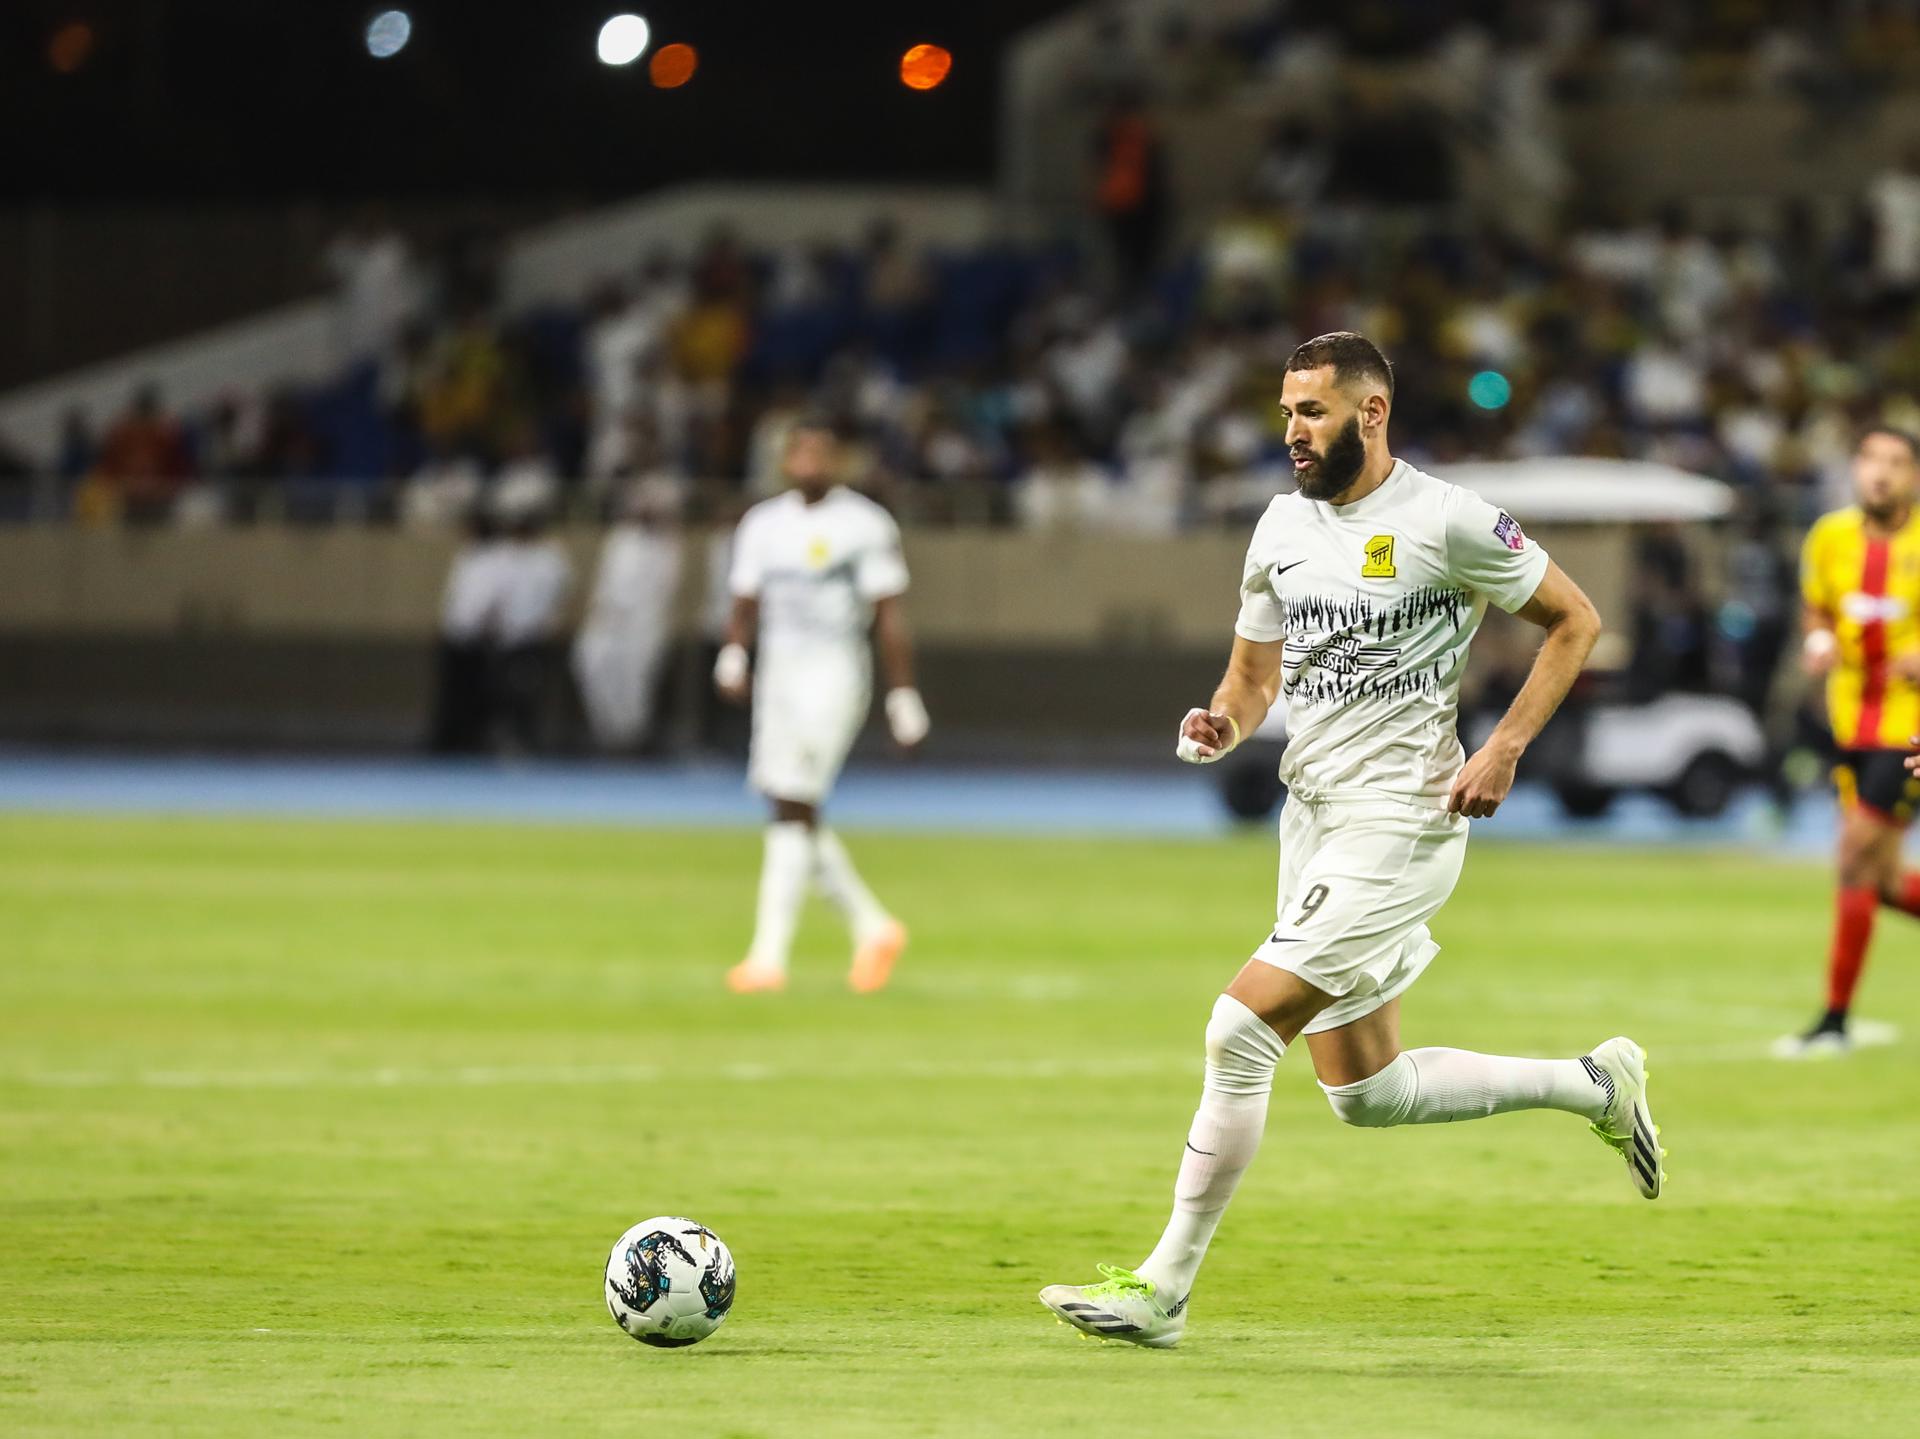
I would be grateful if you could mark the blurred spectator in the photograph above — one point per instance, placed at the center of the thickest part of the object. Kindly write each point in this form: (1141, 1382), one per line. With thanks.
(463, 394)
(720, 726)
(462, 719)
(710, 338)
(1064, 489)
(1292, 172)
(371, 269)
(1130, 188)
(447, 485)
(231, 437)
(77, 452)
(623, 641)
(143, 463)
(626, 335)
(527, 479)
(289, 448)
(1894, 198)
(535, 578)
(897, 283)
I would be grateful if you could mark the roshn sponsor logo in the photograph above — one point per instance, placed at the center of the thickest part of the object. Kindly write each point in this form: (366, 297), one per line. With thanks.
(1378, 561)
(1866, 609)
(1507, 530)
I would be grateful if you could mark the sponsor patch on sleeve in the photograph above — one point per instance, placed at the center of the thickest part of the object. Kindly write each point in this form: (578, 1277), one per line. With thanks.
(1506, 529)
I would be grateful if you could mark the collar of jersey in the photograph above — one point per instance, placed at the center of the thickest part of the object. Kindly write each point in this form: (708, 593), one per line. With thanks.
(1367, 504)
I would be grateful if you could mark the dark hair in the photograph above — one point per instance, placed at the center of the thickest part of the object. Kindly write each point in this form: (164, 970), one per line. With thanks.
(1353, 357)
(1905, 437)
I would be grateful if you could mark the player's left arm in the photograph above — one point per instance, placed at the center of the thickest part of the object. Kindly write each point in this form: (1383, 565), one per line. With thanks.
(1561, 608)
(906, 711)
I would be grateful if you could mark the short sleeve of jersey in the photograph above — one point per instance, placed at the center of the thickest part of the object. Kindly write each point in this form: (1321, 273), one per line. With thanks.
(1813, 570)
(881, 569)
(1488, 552)
(747, 571)
(1262, 618)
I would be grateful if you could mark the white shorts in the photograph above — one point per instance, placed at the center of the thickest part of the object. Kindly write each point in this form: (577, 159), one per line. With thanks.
(1360, 876)
(805, 719)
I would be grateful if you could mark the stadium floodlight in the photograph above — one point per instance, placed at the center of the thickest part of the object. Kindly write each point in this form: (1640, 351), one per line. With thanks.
(924, 66)
(623, 39)
(673, 65)
(388, 33)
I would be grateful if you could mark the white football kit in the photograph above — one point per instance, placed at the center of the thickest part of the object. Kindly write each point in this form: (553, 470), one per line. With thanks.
(1377, 603)
(817, 571)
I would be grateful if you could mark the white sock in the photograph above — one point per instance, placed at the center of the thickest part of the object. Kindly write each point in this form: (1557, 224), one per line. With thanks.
(840, 882)
(783, 889)
(1434, 1086)
(1242, 1050)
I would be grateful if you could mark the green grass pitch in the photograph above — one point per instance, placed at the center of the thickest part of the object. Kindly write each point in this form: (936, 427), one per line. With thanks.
(326, 1128)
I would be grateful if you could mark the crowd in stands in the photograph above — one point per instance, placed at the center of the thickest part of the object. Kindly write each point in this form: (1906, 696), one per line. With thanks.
(1013, 385)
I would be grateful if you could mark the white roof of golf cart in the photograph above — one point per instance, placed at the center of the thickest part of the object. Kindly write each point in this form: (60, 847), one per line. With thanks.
(1578, 491)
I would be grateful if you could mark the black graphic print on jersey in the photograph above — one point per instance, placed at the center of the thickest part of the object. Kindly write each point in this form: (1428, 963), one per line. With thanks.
(1318, 614)
(1326, 659)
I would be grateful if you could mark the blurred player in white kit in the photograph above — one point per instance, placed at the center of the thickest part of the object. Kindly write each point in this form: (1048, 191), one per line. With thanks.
(815, 569)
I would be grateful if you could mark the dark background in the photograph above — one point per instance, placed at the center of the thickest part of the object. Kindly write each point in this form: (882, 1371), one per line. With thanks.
(212, 99)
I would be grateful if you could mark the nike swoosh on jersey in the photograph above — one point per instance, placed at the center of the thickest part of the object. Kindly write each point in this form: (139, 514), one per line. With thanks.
(1286, 939)
(1279, 570)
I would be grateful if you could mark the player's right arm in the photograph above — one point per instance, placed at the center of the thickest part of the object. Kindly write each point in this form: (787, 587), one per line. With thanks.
(1818, 646)
(731, 674)
(1246, 692)
(1252, 681)
(732, 670)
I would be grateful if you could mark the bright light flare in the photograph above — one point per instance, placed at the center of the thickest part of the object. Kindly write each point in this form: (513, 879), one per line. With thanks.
(623, 39)
(672, 66)
(924, 66)
(388, 33)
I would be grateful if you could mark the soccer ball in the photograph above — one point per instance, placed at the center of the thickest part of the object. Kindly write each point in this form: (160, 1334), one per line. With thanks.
(669, 1282)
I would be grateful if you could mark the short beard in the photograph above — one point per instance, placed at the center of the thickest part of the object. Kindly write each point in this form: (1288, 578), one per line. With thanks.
(1339, 467)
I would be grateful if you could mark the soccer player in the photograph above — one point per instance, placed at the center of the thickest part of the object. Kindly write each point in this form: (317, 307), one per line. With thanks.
(1359, 598)
(814, 569)
(1860, 584)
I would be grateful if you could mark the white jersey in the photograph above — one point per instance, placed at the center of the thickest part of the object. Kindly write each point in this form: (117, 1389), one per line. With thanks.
(1377, 602)
(817, 570)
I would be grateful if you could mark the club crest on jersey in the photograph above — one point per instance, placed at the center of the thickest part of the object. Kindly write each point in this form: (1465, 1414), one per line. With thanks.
(1377, 563)
(1507, 530)
(818, 552)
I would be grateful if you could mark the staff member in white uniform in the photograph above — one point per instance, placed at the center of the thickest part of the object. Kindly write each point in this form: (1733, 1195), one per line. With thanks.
(622, 646)
(815, 569)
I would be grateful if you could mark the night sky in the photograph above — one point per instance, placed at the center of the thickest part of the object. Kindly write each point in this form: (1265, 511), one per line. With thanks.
(278, 98)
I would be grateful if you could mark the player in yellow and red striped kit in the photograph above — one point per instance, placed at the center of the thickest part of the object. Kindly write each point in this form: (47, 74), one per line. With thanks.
(1860, 581)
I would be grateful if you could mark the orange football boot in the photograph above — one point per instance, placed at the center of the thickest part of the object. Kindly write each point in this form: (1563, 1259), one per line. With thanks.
(747, 977)
(873, 961)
